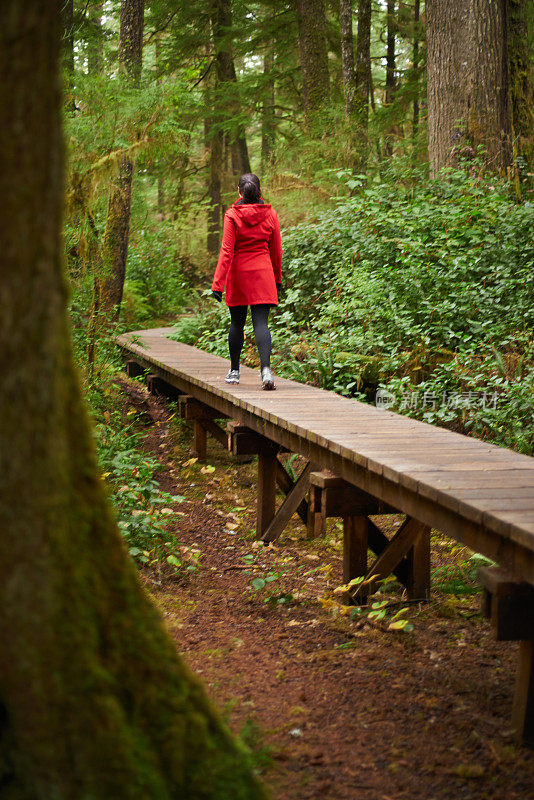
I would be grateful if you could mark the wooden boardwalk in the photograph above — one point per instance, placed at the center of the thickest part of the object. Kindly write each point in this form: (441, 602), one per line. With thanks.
(479, 494)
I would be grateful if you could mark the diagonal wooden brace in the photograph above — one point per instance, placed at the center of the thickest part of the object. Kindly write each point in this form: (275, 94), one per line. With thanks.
(404, 541)
(289, 506)
(286, 484)
(218, 433)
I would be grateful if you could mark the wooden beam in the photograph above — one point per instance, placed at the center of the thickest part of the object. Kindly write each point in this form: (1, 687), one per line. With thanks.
(161, 388)
(133, 369)
(244, 441)
(289, 506)
(508, 604)
(190, 408)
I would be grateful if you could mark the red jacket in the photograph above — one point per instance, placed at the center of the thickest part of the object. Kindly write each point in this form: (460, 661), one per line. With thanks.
(250, 259)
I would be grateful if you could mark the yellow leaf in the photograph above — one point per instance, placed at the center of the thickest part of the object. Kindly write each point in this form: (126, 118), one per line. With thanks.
(469, 770)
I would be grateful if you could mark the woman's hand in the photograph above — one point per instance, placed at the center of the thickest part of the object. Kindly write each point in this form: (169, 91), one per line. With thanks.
(217, 296)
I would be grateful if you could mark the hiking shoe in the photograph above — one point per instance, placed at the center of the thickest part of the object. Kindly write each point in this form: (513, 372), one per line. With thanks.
(233, 376)
(267, 378)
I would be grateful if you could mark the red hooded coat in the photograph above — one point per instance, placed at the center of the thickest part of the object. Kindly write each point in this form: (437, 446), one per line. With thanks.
(250, 259)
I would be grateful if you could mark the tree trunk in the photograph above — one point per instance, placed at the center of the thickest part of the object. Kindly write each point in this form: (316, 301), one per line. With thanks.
(347, 55)
(521, 90)
(416, 34)
(268, 122)
(391, 82)
(363, 77)
(313, 55)
(468, 85)
(67, 17)
(227, 101)
(94, 700)
(115, 249)
(160, 165)
(95, 46)
(215, 189)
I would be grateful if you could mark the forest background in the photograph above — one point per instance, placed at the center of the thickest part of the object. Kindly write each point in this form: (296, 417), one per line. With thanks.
(396, 141)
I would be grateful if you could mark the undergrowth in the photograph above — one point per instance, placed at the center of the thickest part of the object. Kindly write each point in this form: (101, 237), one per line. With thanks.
(421, 289)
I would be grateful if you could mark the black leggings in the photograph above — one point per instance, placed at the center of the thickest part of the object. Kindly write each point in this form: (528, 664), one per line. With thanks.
(236, 335)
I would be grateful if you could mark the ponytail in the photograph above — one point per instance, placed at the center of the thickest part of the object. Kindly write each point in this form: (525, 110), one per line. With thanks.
(249, 186)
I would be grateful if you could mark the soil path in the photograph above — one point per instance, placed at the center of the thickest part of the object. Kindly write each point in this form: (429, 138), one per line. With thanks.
(330, 709)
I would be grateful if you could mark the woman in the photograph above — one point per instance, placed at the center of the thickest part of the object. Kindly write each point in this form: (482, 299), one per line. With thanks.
(250, 264)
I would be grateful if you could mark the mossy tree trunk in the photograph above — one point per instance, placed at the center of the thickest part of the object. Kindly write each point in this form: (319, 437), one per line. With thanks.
(94, 701)
(67, 16)
(227, 101)
(521, 87)
(115, 247)
(347, 55)
(311, 19)
(268, 118)
(391, 80)
(415, 57)
(468, 81)
(95, 43)
(363, 79)
(215, 176)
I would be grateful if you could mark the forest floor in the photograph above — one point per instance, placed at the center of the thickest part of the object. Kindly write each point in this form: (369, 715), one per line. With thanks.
(330, 709)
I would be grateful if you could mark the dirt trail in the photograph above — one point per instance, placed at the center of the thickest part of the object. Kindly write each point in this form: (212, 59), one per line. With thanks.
(330, 711)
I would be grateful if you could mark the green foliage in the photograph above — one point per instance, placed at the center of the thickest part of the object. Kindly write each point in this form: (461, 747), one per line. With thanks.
(460, 577)
(155, 273)
(142, 508)
(381, 612)
(422, 288)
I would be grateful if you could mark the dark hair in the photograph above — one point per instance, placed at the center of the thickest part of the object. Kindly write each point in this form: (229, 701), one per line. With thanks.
(249, 186)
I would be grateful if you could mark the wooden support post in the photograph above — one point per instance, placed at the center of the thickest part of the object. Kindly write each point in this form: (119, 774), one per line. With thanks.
(199, 440)
(523, 707)
(418, 565)
(509, 604)
(266, 500)
(315, 523)
(355, 544)
(289, 506)
(133, 369)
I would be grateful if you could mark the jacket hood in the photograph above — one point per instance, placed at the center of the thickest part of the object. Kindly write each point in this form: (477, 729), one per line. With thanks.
(250, 213)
